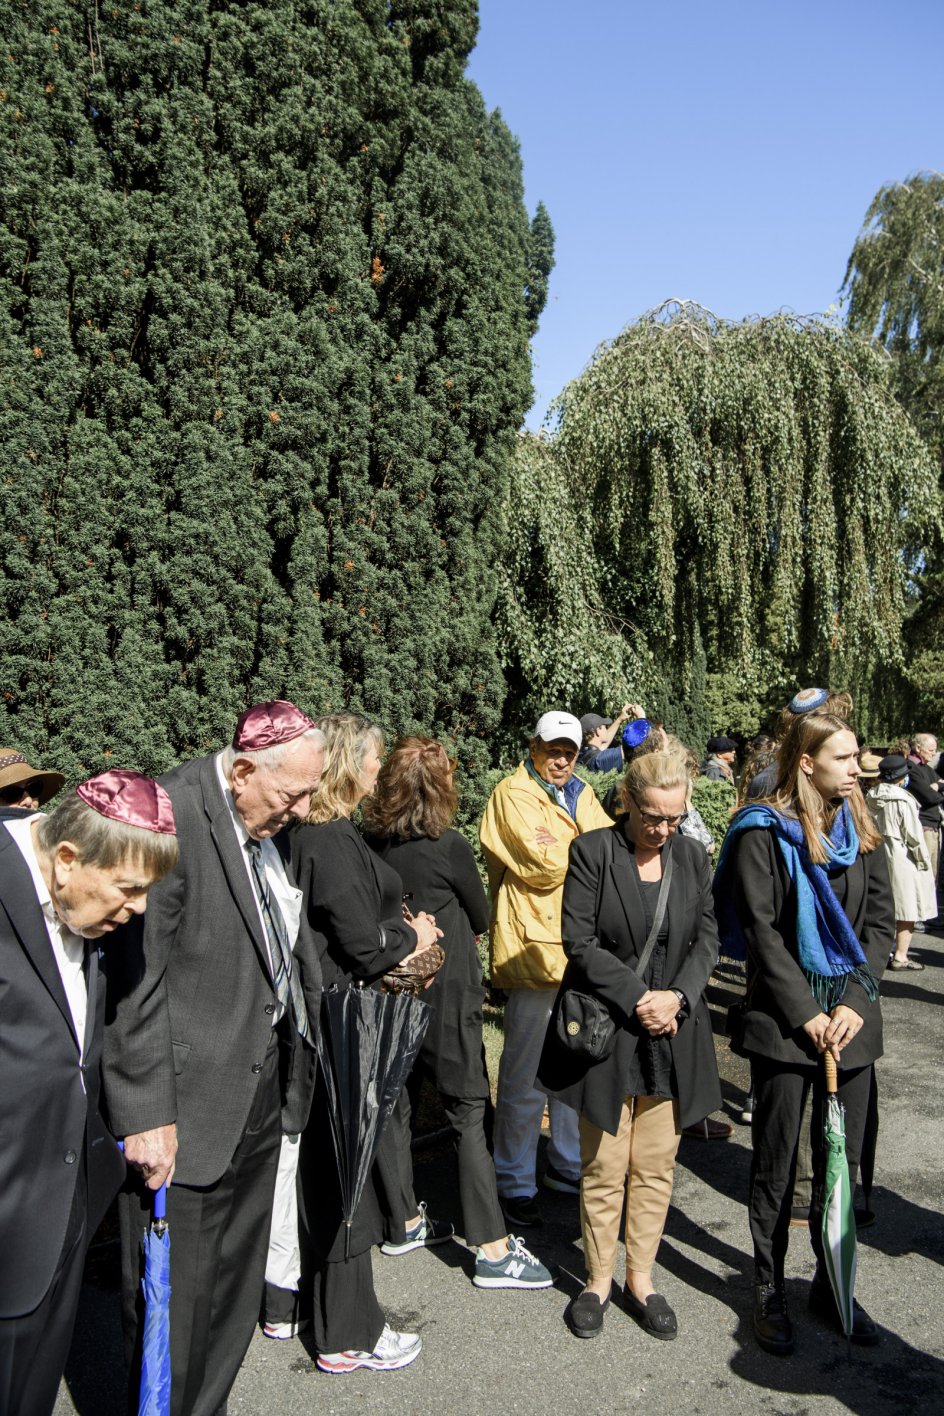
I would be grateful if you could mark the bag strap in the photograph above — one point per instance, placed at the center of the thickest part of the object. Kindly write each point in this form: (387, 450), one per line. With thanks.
(663, 900)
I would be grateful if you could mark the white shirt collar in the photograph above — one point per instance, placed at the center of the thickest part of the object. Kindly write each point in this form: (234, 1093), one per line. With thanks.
(22, 832)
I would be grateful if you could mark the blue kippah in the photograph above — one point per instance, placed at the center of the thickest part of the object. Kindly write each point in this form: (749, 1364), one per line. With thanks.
(636, 732)
(808, 699)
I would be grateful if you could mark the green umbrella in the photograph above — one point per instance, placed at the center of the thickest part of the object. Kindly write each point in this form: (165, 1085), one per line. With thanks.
(839, 1231)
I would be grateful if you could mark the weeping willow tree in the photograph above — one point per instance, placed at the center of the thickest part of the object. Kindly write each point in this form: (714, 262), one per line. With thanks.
(895, 288)
(725, 510)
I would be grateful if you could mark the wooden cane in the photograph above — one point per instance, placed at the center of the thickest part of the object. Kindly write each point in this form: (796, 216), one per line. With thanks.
(832, 1078)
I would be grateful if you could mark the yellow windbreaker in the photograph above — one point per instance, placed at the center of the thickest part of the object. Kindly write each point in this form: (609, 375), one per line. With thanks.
(526, 880)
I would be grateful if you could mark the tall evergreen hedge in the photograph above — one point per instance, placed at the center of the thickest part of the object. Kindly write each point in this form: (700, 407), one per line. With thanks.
(267, 284)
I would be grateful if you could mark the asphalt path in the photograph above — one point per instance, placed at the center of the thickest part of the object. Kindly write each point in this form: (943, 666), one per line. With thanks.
(509, 1351)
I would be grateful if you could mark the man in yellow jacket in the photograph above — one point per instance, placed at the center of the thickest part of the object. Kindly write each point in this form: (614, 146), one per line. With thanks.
(529, 822)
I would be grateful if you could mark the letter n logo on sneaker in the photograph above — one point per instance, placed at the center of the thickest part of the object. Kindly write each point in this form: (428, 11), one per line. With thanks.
(515, 1269)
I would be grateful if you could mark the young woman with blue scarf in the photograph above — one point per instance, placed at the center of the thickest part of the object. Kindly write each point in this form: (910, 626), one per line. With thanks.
(801, 888)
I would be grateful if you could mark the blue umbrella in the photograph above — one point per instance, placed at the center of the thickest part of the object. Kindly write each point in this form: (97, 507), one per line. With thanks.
(154, 1399)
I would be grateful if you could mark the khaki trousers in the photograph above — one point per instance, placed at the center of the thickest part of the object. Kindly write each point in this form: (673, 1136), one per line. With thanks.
(640, 1161)
(933, 840)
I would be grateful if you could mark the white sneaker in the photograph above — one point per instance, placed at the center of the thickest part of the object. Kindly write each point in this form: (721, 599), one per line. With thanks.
(282, 1331)
(394, 1349)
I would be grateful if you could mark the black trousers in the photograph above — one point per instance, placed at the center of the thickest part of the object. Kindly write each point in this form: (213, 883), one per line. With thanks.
(34, 1348)
(346, 1313)
(218, 1243)
(482, 1218)
(779, 1097)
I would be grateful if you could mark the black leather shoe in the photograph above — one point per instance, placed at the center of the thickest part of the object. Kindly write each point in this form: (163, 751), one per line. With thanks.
(822, 1304)
(772, 1326)
(654, 1316)
(521, 1211)
(586, 1314)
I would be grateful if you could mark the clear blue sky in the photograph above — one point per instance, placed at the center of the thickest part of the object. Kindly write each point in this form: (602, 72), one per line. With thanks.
(725, 153)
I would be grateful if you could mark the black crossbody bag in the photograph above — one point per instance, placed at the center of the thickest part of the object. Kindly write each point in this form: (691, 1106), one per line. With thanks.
(584, 1025)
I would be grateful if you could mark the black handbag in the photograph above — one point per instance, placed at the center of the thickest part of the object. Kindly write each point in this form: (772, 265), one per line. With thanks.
(584, 1026)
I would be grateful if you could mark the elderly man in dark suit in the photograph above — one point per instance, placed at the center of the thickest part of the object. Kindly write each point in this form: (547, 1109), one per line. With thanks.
(216, 1012)
(67, 881)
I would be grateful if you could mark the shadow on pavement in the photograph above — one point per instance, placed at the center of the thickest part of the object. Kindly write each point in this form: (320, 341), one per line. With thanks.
(881, 1381)
(894, 987)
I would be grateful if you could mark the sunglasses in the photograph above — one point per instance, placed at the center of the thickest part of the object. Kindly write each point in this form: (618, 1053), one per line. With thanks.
(12, 796)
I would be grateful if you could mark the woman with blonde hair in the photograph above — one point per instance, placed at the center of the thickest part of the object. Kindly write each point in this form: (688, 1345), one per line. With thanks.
(408, 821)
(353, 902)
(640, 938)
(801, 886)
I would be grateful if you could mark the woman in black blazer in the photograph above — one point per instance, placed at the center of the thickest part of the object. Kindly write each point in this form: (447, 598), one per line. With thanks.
(661, 1073)
(408, 822)
(812, 839)
(353, 902)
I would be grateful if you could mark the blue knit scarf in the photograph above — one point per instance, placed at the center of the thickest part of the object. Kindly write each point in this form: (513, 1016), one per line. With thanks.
(828, 950)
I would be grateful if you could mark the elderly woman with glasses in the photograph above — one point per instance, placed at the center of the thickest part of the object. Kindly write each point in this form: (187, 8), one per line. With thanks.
(640, 938)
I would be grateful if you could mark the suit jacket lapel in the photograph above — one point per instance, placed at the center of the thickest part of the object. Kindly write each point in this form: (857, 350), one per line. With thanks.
(230, 853)
(91, 984)
(25, 915)
(624, 881)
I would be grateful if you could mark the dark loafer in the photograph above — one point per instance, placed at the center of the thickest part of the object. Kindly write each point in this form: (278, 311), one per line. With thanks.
(654, 1316)
(822, 1304)
(586, 1314)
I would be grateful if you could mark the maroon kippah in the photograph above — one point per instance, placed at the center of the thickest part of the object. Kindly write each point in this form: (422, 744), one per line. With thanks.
(131, 798)
(268, 724)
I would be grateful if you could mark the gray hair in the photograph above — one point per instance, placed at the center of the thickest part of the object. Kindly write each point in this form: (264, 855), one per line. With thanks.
(103, 843)
(269, 757)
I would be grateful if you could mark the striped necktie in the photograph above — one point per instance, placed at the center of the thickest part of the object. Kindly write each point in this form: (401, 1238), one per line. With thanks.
(287, 983)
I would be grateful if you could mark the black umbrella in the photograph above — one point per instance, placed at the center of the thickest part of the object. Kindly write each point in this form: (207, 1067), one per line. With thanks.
(367, 1045)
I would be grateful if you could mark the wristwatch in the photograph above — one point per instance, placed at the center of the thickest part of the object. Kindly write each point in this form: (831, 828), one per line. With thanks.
(683, 1001)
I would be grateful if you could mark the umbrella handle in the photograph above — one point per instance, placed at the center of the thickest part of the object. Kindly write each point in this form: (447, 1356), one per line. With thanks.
(160, 1196)
(832, 1076)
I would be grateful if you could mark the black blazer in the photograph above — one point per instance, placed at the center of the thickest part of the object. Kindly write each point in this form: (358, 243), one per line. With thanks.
(46, 1117)
(921, 779)
(604, 933)
(353, 904)
(352, 901)
(443, 879)
(779, 999)
(191, 995)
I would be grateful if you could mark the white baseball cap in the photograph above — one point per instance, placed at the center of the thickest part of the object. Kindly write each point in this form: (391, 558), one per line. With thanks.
(554, 727)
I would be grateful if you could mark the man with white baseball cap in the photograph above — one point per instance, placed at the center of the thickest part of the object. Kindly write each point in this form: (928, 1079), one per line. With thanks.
(529, 822)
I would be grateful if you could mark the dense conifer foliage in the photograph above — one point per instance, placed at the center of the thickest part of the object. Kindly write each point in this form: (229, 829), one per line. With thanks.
(266, 289)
